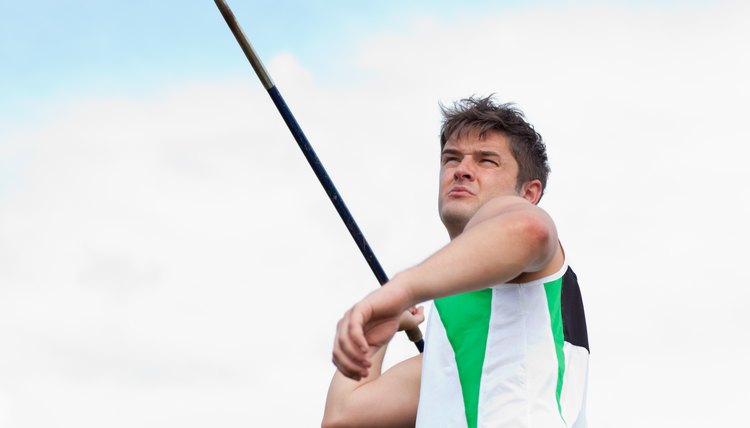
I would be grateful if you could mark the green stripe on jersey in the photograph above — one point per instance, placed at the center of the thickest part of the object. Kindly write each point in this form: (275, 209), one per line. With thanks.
(466, 318)
(553, 290)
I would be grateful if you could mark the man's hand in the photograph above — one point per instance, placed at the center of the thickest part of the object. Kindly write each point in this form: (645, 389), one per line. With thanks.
(411, 318)
(367, 326)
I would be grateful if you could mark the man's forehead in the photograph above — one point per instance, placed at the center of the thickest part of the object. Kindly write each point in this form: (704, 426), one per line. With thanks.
(473, 141)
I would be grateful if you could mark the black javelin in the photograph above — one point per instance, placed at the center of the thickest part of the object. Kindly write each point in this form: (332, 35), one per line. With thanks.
(415, 335)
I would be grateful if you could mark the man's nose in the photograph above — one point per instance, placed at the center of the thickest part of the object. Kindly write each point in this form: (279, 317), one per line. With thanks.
(463, 171)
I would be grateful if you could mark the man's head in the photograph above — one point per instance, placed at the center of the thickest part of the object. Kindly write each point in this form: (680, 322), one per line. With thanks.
(488, 150)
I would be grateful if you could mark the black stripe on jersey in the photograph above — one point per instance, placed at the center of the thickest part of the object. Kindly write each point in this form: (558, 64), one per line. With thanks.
(574, 319)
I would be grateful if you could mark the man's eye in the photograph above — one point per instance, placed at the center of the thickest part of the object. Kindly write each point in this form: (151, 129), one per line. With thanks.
(489, 162)
(449, 160)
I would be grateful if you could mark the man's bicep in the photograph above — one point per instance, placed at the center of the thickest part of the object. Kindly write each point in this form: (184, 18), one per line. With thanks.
(389, 401)
(519, 218)
(510, 207)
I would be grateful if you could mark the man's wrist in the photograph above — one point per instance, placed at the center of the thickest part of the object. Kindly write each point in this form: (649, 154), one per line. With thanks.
(403, 283)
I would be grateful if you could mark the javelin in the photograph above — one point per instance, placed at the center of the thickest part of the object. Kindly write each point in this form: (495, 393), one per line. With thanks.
(415, 335)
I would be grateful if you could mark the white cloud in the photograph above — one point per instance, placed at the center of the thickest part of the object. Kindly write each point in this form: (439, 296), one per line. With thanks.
(173, 259)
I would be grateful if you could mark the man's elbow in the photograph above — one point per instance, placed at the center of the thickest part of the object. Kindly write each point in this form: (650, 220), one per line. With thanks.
(336, 417)
(333, 420)
(539, 232)
(328, 423)
(540, 236)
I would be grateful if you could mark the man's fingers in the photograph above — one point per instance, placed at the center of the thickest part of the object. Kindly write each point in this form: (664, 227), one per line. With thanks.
(411, 318)
(347, 341)
(351, 351)
(356, 330)
(347, 359)
(347, 367)
(419, 314)
(348, 354)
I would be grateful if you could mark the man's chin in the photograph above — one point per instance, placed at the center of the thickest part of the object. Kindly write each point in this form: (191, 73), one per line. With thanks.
(456, 216)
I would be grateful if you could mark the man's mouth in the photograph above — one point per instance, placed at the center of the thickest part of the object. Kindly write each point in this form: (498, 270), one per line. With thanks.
(460, 191)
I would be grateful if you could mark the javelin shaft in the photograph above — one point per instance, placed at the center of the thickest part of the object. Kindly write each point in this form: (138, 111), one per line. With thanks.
(415, 335)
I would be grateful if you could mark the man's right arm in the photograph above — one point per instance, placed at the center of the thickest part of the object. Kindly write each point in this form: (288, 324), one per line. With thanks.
(378, 400)
(389, 400)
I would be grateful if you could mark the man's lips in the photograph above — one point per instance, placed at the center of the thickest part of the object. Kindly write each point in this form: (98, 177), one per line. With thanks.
(460, 191)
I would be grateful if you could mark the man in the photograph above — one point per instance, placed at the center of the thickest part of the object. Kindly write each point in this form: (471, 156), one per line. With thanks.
(506, 344)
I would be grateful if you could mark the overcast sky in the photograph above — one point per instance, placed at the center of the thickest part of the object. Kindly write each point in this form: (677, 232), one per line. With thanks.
(167, 258)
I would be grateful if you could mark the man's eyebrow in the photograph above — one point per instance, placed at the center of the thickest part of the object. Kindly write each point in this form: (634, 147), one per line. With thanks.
(489, 153)
(451, 152)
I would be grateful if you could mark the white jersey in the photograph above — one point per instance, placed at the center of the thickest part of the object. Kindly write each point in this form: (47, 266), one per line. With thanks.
(512, 355)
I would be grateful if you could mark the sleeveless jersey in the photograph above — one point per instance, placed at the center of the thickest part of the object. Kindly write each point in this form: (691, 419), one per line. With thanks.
(512, 355)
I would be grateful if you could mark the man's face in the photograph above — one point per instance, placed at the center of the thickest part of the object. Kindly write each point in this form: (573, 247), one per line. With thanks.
(472, 172)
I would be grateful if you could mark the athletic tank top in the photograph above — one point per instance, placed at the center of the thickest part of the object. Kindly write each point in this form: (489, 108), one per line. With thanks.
(512, 355)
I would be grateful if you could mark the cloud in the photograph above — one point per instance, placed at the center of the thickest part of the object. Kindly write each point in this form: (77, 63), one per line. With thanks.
(171, 257)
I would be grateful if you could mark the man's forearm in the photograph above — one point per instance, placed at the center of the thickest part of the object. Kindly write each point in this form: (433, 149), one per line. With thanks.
(342, 388)
(493, 251)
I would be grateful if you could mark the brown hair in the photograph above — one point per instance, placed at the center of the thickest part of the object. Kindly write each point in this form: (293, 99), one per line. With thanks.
(483, 115)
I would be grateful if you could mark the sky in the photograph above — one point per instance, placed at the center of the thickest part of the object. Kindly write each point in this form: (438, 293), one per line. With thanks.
(167, 258)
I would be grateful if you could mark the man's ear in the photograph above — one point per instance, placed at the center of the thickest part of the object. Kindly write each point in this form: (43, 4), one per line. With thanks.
(532, 191)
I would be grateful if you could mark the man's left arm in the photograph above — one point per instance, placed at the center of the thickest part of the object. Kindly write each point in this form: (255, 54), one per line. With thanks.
(507, 237)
